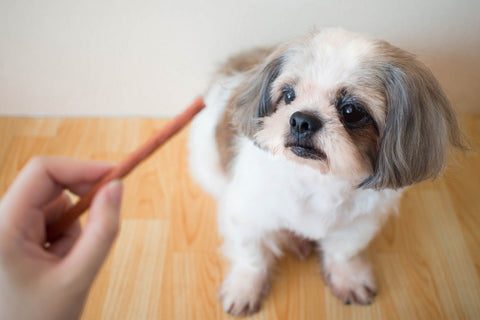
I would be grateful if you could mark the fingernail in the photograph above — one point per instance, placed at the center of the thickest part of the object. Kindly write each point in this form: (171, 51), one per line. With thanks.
(115, 191)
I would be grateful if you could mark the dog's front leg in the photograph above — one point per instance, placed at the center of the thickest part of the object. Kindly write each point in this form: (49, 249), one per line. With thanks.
(251, 262)
(344, 270)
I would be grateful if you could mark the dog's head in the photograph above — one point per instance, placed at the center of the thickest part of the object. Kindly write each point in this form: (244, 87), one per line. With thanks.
(350, 106)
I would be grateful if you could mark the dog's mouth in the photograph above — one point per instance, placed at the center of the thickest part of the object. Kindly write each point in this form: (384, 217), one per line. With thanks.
(306, 151)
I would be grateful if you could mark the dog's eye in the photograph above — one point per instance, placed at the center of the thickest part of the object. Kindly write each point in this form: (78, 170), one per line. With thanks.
(353, 115)
(288, 94)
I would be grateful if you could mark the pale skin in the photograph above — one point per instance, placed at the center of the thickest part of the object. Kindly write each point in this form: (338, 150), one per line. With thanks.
(52, 283)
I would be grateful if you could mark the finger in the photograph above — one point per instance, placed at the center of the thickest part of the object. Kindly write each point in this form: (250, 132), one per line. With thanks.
(91, 249)
(82, 188)
(57, 207)
(62, 246)
(43, 178)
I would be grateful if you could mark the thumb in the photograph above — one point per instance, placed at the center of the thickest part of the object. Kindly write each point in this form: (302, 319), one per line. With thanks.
(91, 249)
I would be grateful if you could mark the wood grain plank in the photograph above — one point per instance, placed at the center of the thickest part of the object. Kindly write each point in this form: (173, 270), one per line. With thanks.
(137, 270)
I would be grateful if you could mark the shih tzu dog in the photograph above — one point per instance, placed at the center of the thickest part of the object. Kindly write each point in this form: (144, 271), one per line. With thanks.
(309, 145)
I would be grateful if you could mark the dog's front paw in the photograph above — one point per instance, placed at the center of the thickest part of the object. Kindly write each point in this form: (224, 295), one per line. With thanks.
(242, 292)
(351, 281)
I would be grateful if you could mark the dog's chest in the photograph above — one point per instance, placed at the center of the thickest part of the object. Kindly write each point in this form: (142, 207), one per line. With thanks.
(292, 196)
(318, 202)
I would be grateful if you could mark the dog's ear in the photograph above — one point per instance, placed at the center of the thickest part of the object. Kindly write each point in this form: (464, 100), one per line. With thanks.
(419, 123)
(253, 98)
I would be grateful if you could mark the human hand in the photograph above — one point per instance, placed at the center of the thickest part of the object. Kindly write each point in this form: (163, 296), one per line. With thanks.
(52, 282)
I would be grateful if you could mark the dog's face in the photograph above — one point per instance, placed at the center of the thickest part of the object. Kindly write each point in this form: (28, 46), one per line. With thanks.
(353, 107)
(319, 114)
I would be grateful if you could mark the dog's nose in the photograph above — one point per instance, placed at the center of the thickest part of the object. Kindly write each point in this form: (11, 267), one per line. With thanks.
(304, 124)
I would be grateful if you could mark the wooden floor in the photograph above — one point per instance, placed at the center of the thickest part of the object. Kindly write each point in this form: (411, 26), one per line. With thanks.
(165, 263)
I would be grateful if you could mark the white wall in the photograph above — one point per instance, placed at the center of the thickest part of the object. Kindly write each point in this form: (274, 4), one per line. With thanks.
(151, 58)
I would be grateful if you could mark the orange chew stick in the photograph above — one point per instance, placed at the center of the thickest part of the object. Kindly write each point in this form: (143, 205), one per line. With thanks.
(124, 167)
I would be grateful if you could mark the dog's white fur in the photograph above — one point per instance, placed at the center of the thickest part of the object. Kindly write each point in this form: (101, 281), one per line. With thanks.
(268, 192)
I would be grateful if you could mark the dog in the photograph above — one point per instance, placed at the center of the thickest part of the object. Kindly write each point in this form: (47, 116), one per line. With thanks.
(308, 146)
